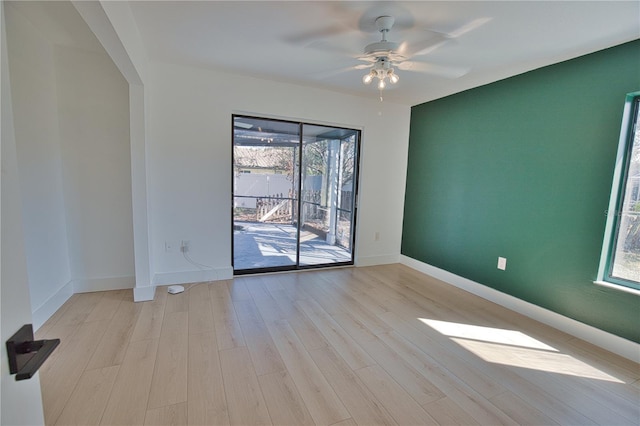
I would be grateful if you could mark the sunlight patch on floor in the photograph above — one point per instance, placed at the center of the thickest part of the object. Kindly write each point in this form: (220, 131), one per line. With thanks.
(486, 334)
(514, 348)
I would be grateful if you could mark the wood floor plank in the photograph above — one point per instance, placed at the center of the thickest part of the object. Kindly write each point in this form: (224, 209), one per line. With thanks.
(228, 331)
(542, 400)
(238, 290)
(350, 351)
(291, 285)
(355, 327)
(268, 307)
(473, 402)
(416, 384)
(115, 340)
(266, 358)
(285, 307)
(347, 422)
(350, 288)
(169, 382)
(60, 374)
(519, 410)
(89, 398)
(322, 402)
(220, 289)
(149, 322)
(615, 365)
(206, 399)
(106, 308)
(80, 308)
(200, 311)
(363, 406)
(342, 303)
(581, 400)
(293, 342)
(127, 404)
(404, 409)
(284, 403)
(443, 358)
(244, 397)
(447, 412)
(170, 415)
(247, 311)
(176, 302)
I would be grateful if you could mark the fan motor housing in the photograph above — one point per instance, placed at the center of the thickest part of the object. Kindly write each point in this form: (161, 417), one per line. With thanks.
(381, 47)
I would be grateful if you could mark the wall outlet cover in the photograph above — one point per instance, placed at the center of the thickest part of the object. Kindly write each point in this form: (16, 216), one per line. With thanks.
(502, 263)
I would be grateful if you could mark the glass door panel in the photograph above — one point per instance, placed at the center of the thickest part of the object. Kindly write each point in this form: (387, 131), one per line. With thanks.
(265, 181)
(327, 201)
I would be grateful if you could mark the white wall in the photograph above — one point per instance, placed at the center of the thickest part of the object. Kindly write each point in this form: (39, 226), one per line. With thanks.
(189, 161)
(93, 115)
(71, 118)
(34, 97)
(114, 26)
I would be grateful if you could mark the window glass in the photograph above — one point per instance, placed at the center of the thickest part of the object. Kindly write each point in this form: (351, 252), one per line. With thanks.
(625, 254)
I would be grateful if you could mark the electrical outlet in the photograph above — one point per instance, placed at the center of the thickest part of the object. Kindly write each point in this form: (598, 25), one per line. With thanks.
(184, 246)
(376, 237)
(502, 263)
(169, 246)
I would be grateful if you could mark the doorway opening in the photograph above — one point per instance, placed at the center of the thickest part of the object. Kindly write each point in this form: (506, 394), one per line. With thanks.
(294, 195)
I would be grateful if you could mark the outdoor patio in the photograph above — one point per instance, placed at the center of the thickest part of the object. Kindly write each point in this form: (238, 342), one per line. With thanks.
(266, 245)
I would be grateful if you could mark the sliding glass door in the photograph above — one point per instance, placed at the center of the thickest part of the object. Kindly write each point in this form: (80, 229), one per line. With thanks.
(294, 192)
(327, 202)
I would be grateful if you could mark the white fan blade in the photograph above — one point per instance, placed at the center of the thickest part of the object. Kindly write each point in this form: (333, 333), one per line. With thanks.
(439, 70)
(422, 47)
(367, 58)
(333, 73)
(468, 27)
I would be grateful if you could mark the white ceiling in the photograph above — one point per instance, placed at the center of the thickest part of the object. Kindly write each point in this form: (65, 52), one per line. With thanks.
(307, 42)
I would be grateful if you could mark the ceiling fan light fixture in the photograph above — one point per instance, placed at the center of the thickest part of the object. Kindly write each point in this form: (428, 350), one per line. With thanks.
(393, 77)
(383, 71)
(368, 78)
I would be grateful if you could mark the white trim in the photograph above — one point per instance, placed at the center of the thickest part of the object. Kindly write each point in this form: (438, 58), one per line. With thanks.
(144, 294)
(48, 308)
(87, 285)
(603, 339)
(193, 276)
(618, 287)
(377, 260)
(225, 273)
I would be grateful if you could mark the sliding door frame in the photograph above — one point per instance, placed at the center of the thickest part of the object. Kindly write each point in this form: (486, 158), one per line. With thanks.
(356, 182)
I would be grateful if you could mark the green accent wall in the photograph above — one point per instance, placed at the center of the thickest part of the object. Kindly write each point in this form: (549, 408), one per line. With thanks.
(522, 168)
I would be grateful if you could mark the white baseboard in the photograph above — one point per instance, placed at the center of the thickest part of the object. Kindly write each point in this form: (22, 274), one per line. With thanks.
(601, 338)
(144, 294)
(377, 260)
(225, 273)
(48, 308)
(196, 276)
(86, 285)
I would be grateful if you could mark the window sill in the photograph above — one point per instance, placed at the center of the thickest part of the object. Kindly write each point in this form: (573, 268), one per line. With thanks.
(618, 287)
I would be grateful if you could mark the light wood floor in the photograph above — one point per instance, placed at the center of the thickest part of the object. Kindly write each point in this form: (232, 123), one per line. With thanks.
(354, 346)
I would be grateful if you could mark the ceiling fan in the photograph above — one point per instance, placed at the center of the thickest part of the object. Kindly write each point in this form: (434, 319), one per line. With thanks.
(383, 56)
